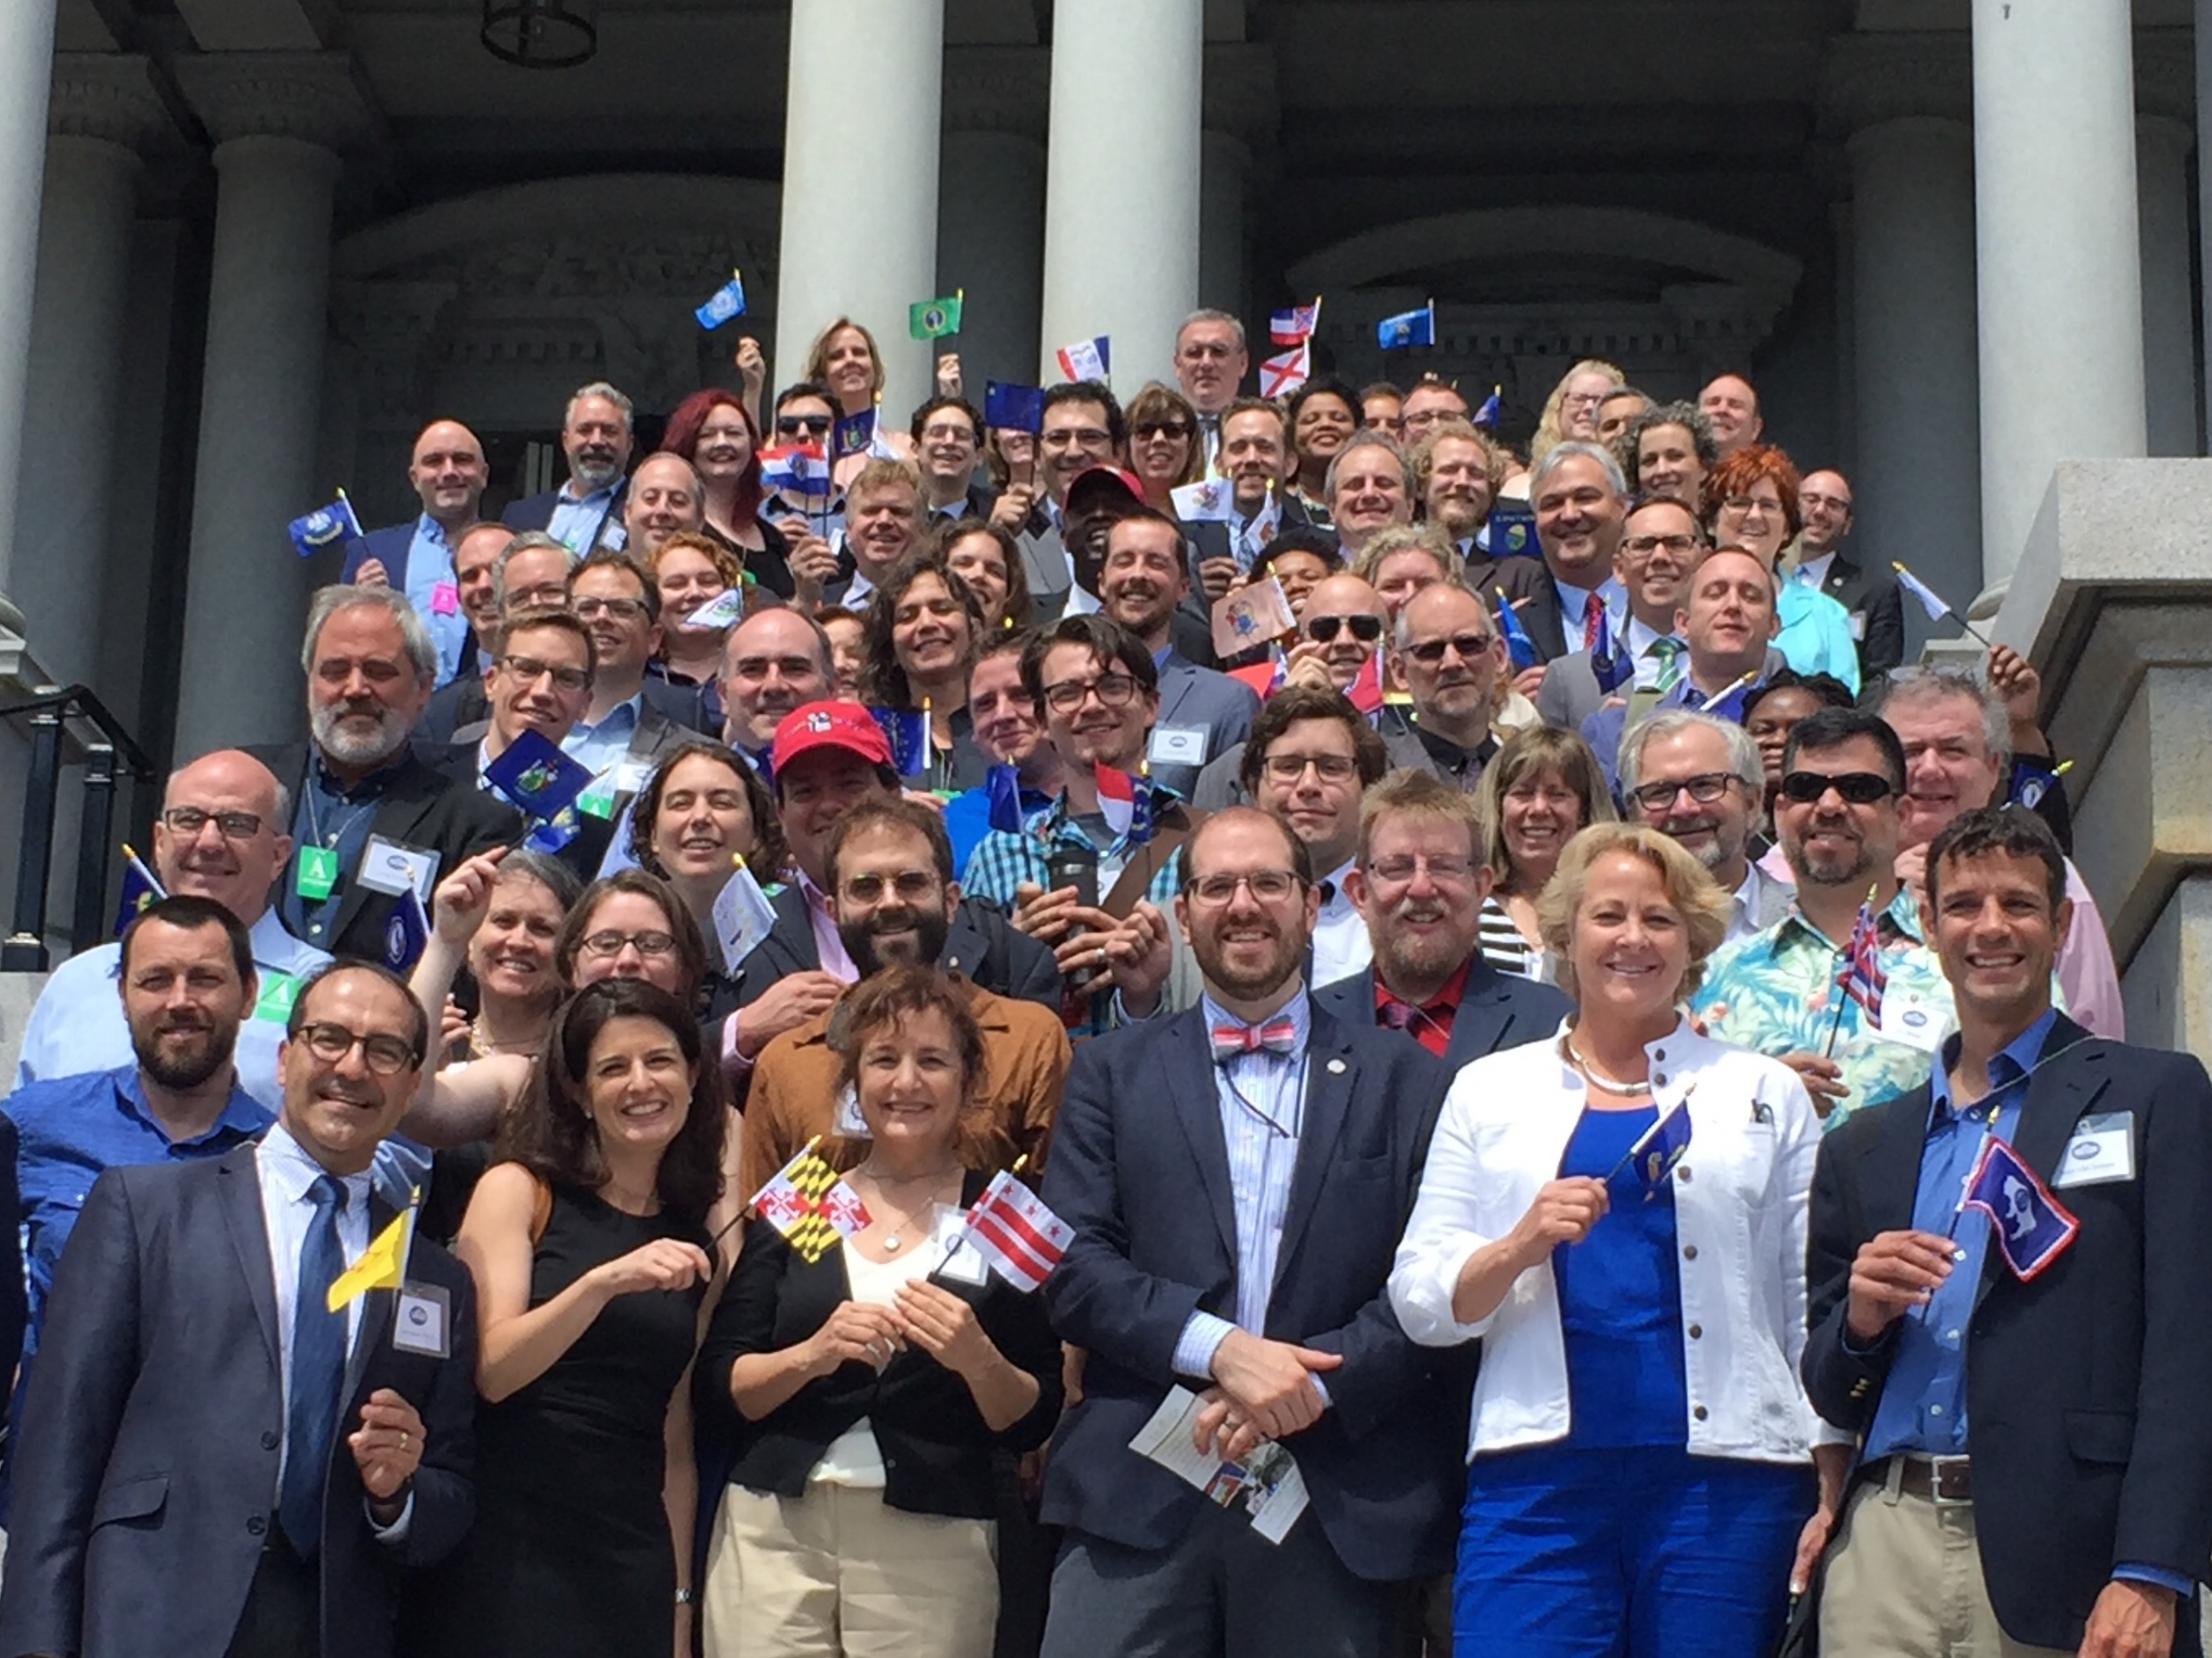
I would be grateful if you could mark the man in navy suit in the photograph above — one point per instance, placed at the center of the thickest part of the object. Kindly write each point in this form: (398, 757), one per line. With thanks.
(2027, 1384)
(584, 514)
(420, 559)
(1236, 1178)
(215, 1461)
(1419, 883)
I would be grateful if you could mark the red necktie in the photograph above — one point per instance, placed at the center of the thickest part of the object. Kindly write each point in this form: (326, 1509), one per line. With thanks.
(1593, 618)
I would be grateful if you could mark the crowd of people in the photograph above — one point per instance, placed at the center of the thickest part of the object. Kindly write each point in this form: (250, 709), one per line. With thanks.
(1432, 1049)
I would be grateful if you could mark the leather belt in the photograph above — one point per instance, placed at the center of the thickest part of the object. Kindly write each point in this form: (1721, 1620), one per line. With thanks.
(1945, 1481)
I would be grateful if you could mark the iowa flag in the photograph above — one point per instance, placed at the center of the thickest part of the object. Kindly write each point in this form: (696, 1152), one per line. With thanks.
(1017, 1233)
(813, 1209)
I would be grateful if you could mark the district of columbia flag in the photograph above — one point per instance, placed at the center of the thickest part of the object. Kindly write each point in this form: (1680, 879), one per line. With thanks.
(1282, 374)
(723, 305)
(1930, 599)
(1125, 801)
(383, 1264)
(139, 889)
(1017, 1233)
(2031, 1227)
(796, 469)
(1296, 325)
(1086, 360)
(1407, 328)
(811, 1206)
(326, 526)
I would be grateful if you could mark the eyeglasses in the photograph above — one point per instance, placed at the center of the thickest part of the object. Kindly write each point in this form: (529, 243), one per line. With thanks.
(947, 431)
(1860, 788)
(1583, 399)
(1428, 651)
(385, 1056)
(794, 426)
(1652, 543)
(553, 596)
(189, 821)
(1160, 428)
(1115, 690)
(1400, 871)
(527, 669)
(1745, 503)
(1334, 768)
(1705, 788)
(621, 609)
(1322, 629)
(911, 885)
(1269, 886)
(600, 945)
(1080, 437)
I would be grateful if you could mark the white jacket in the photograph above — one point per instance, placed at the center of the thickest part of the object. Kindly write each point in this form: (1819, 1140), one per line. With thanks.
(1741, 1193)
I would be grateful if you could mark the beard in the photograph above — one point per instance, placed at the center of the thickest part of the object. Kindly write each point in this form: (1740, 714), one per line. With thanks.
(871, 952)
(1246, 983)
(351, 748)
(1417, 958)
(186, 1068)
(593, 471)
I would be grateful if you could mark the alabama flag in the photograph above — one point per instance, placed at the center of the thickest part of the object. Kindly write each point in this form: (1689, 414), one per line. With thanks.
(1017, 1234)
(1282, 374)
(1125, 801)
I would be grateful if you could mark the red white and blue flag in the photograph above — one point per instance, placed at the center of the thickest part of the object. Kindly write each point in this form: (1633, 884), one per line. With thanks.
(1364, 693)
(1085, 359)
(1860, 977)
(796, 469)
(1282, 374)
(1125, 802)
(2031, 1227)
(1296, 325)
(1015, 1232)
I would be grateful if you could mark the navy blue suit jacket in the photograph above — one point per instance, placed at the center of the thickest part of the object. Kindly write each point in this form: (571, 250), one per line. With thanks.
(535, 512)
(154, 1420)
(1496, 1010)
(389, 546)
(1140, 1170)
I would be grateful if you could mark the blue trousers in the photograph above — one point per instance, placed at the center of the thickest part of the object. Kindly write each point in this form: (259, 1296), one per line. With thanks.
(1647, 1552)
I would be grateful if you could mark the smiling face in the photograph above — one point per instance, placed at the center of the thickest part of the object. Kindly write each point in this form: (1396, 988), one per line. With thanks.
(1144, 578)
(911, 1083)
(1311, 780)
(1004, 719)
(512, 954)
(881, 526)
(1755, 519)
(1832, 842)
(1159, 447)
(849, 368)
(1732, 407)
(1210, 365)
(1252, 456)
(1711, 832)
(663, 498)
(1341, 599)
(949, 447)
(978, 559)
(448, 471)
(1579, 520)
(1998, 935)
(1659, 547)
(597, 442)
(1371, 494)
(611, 601)
(1459, 488)
(1629, 947)
(524, 687)
(636, 1083)
(234, 871)
(1579, 402)
(1094, 731)
(771, 664)
(687, 579)
(183, 1001)
(1451, 656)
(473, 559)
(815, 790)
(364, 692)
(1324, 421)
(704, 820)
(1247, 947)
(630, 936)
(930, 636)
(1948, 765)
(1538, 815)
(1667, 463)
(725, 447)
(341, 1109)
(1420, 889)
(892, 906)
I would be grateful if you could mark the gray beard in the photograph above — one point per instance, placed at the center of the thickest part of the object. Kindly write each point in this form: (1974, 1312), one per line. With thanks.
(340, 744)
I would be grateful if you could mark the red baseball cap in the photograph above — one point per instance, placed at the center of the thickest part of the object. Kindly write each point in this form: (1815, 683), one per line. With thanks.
(829, 725)
(1111, 483)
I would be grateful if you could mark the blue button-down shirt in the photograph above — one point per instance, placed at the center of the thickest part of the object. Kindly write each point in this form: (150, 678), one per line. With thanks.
(582, 521)
(602, 746)
(434, 591)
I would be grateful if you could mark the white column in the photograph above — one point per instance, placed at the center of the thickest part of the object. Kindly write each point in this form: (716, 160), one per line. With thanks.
(1121, 182)
(860, 141)
(103, 107)
(278, 119)
(991, 208)
(2058, 258)
(26, 82)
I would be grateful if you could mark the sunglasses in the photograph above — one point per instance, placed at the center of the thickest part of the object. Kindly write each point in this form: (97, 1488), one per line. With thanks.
(1322, 629)
(791, 426)
(1860, 788)
(1470, 646)
(1160, 428)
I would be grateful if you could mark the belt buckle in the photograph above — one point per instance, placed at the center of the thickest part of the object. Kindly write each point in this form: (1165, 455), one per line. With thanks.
(1951, 1481)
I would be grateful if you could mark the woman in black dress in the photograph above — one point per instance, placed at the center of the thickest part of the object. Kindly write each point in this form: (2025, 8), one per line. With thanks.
(589, 1247)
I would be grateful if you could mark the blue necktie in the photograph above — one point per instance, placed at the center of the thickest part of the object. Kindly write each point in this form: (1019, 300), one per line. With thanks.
(317, 1370)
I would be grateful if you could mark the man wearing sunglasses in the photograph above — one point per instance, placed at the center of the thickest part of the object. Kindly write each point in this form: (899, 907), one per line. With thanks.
(586, 513)
(1777, 993)
(1445, 655)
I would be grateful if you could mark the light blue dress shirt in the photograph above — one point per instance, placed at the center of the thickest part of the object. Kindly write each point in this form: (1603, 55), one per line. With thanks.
(434, 591)
(605, 744)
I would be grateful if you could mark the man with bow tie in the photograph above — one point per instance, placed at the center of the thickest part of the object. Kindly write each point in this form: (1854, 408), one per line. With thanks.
(1237, 1177)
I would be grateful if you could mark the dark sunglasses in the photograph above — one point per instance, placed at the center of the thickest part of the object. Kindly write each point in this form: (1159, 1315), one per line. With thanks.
(1430, 652)
(1860, 788)
(791, 426)
(1321, 629)
(1160, 428)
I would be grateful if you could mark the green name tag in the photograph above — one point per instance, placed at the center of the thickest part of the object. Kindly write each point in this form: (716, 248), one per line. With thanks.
(278, 991)
(315, 873)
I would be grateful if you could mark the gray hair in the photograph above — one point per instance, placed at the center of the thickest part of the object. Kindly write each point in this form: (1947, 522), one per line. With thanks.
(600, 388)
(522, 543)
(1366, 437)
(1688, 416)
(1574, 449)
(1933, 684)
(329, 601)
(1744, 762)
(1207, 314)
(551, 874)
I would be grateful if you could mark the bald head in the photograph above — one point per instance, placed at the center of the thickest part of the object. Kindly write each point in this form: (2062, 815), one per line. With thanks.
(663, 498)
(449, 473)
(1338, 606)
(224, 832)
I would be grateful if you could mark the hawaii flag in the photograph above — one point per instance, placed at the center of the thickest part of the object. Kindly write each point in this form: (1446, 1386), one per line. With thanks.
(811, 1206)
(1017, 1233)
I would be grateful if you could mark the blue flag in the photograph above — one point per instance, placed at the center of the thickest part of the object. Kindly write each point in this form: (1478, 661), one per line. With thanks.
(1651, 1161)
(326, 526)
(538, 779)
(2030, 1226)
(1513, 530)
(1608, 658)
(407, 933)
(1407, 328)
(1518, 645)
(2032, 779)
(853, 434)
(1013, 407)
(139, 889)
(1004, 786)
(1492, 408)
(909, 737)
(726, 303)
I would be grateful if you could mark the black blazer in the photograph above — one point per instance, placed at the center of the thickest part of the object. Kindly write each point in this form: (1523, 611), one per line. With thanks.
(1496, 1010)
(419, 809)
(535, 512)
(1874, 601)
(1140, 1170)
(936, 1448)
(2087, 1388)
(1532, 579)
(152, 1429)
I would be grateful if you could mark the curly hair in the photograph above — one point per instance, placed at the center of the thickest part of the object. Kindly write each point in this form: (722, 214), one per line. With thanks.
(1688, 416)
(1746, 467)
(1020, 606)
(882, 680)
(771, 853)
(884, 1001)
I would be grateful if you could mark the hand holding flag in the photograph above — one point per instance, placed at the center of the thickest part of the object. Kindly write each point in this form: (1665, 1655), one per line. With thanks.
(383, 1264)
(1656, 1152)
(1016, 1234)
(742, 915)
(811, 1205)
(326, 526)
(2030, 1227)
(533, 773)
(1519, 648)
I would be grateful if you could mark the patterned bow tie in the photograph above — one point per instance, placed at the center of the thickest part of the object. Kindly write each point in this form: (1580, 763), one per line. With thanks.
(1277, 1036)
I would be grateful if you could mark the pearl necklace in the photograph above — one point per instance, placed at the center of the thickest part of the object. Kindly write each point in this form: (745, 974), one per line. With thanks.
(1599, 1080)
(894, 1241)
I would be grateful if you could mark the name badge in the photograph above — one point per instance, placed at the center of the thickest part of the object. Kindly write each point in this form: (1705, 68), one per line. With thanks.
(1907, 1018)
(2101, 1150)
(846, 1120)
(965, 1264)
(1177, 745)
(391, 868)
(315, 873)
(446, 600)
(1859, 627)
(422, 1323)
(278, 991)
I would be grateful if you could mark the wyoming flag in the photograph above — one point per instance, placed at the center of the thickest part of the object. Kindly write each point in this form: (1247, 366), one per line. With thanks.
(813, 1209)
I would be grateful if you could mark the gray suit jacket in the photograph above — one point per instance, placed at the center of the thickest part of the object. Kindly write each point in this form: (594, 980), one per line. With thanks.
(1192, 697)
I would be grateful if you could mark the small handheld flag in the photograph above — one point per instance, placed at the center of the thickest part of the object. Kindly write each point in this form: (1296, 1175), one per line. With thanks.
(933, 319)
(1085, 359)
(383, 1266)
(407, 933)
(1656, 1152)
(1009, 408)
(1284, 374)
(1860, 977)
(853, 434)
(139, 889)
(1003, 789)
(1932, 601)
(796, 469)
(1608, 657)
(2030, 1226)
(1407, 328)
(723, 610)
(811, 1206)
(908, 732)
(1013, 1230)
(2032, 779)
(1727, 702)
(326, 526)
(1513, 530)
(1364, 693)
(725, 303)
(1493, 407)
(1125, 801)
(742, 915)
(1519, 648)
(1209, 501)
(1296, 325)
(537, 777)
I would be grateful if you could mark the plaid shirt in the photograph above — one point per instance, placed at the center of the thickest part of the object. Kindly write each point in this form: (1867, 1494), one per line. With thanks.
(1002, 861)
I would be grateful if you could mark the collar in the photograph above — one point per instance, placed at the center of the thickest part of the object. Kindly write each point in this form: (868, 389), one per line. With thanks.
(1449, 754)
(605, 492)
(428, 528)
(1163, 656)
(634, 706)
(376, 783)
(295, 1172)
(1641, 639)
(243, 1117)
(1813, 572)
(1899, 923)
(1574, 601)
(1332, 885)
(2011, 1062)
(818, 901)
(1447, 999)
(278, 949)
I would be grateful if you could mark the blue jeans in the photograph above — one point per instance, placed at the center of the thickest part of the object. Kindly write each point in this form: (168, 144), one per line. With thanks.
(1647, 1552)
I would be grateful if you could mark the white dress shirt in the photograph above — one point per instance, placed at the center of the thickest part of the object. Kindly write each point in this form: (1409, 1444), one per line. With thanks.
(1741, 1195)
(1341, 945)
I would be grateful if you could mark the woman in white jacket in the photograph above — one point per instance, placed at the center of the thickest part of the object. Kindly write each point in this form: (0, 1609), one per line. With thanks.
(1619, 1216)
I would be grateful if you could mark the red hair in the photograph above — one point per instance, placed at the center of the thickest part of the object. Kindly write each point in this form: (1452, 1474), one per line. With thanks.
(681, 438)
(1735, 475)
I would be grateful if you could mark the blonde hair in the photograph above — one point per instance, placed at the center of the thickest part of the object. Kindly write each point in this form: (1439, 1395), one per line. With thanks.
(881, 472)
(1548, 430)
(1411, 538)
(1530, 753)
(1496, 457)
(727, 564)
(1419, 798)
(1690, 887)
(817, 354)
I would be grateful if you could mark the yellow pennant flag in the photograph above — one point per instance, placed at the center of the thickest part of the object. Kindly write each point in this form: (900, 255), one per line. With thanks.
(381, 1267)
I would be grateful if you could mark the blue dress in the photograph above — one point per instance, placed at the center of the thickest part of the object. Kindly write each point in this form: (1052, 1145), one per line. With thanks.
(1615, 1543)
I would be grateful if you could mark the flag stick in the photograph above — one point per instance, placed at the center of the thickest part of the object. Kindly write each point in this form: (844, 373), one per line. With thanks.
(1837, 1024)
(1898, 564)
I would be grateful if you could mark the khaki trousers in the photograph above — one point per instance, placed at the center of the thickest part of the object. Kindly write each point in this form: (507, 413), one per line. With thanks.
(836, 1574)
(1905, 1581)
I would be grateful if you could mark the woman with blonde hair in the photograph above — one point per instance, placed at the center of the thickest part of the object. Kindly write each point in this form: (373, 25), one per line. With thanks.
(1571, 411)
(1618, 1214)
(1542, 787)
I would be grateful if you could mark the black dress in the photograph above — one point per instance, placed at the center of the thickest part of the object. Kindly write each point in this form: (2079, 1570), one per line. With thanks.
(569, 1552)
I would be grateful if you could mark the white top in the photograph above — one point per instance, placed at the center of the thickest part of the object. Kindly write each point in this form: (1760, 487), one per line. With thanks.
(853, 1458)
(1341, 945)
(287, 1175)
(1741, 1195)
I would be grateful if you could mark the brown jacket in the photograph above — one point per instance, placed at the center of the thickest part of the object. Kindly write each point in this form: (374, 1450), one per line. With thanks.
(795, 1087)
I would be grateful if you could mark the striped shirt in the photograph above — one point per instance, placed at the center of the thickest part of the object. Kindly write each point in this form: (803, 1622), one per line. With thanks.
(1503, 947)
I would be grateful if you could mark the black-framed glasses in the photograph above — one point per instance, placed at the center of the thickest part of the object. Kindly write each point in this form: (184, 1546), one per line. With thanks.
(797, 426)
(911, 885)
(1269, 886)
(382, 1053)
(529, 669)
(1705, 788)
(1323, 629)
(1652, 543)
(651, 942)
(1334, 768)
(1860, 788)
(1115, 690)
(189, 821)
(621, 609)
(1430, 652)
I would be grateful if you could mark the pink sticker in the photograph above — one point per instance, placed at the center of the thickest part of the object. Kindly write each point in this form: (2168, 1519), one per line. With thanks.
(446, 600)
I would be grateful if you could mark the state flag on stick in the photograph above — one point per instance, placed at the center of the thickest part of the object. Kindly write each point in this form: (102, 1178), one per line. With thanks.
(933, 319)
(1282, 374)
(383, 1266)
(1009, 408)
(1296, 325)
(326, 526)
(1407, 328)
(2033, 1228)
(139, 889)
(1653, 1156)
(1013, 1230)
(796, 469)
(406, 934)
(811, 1206)
(1085, 359)
(723, 305)
(1519, 647)
(1125, 801)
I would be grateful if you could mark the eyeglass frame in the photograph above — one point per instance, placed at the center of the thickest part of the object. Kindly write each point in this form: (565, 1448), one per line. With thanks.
(401, 1053)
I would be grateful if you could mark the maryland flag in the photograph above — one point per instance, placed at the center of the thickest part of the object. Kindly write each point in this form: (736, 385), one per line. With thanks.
(813, 1209)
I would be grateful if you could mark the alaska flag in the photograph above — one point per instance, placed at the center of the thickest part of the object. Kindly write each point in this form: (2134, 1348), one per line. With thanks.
(537, 777)
(1407, 328)
(1653, 1156)
(407, 933)
(139, 889)
(2031, 1228)
(326, 526)
(726, 303)
(1518, 645)
(1013, 407)
(909, 737)
(2032, 779)
(1493, 407)
(1002, 786)
(1608, 657)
